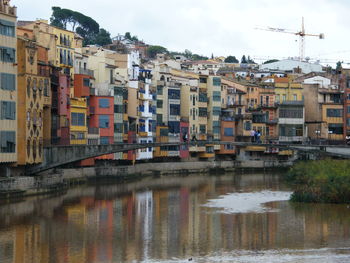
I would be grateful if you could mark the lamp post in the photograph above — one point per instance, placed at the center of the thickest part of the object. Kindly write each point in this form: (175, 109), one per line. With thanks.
(318, 132)
(329, 135)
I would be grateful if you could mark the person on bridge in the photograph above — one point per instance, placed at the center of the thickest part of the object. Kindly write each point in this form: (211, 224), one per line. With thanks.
(252, 134)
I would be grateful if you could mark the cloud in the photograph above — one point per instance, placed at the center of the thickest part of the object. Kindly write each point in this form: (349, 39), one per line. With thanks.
(223, 27)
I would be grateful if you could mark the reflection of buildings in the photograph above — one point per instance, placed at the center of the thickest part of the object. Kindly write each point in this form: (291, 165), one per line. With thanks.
(169, 222)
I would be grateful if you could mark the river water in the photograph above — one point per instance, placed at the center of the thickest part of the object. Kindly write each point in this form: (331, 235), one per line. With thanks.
(197, 218)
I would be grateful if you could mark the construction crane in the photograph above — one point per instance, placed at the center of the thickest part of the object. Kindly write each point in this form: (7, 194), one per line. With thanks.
(300, 33)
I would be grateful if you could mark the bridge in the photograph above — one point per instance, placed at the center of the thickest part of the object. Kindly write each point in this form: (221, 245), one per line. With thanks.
(55, 156)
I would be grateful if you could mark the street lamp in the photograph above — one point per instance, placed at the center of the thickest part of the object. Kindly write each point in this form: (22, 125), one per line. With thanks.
(318, 132)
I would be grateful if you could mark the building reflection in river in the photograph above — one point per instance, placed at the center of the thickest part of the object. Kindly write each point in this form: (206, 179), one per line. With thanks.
(118, 224)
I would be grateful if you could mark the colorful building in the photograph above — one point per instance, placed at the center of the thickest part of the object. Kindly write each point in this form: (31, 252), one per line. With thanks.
(33, 96)
(78, 121)
(8, 83)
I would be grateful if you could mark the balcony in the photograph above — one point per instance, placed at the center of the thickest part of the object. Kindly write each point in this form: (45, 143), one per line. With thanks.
(236, 103)
(269, 105)
(83, 71)
(145, 96)
(292, 103)
(143, 113)
(93, 130)
(272, 121)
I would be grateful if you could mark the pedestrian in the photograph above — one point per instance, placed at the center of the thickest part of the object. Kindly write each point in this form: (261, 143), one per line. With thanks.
(258, 135)
(252, 134)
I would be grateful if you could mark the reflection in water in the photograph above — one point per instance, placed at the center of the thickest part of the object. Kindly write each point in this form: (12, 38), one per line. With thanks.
(166, 219)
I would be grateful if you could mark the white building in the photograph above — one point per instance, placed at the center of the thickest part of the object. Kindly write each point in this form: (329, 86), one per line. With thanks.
(290, 65)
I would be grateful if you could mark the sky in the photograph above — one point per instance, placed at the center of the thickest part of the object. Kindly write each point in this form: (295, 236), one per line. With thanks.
(218, 27)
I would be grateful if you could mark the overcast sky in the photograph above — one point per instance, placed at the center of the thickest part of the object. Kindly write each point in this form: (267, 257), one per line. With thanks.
(221, 27)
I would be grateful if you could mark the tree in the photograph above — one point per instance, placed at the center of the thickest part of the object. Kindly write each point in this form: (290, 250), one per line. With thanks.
(270, 61)
(250, 61)
(244, 60)
(103, 37)
(212, 56)
(231, 59)
(83, 25)
(127, 35)
(188, 53)
(339, 67)
(152, 51)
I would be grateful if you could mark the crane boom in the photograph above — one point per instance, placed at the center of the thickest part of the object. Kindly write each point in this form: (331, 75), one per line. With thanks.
(300, 33)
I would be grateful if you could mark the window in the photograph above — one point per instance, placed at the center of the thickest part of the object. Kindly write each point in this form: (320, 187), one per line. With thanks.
(216, 111)
(284, 97)
(103, 121)
(202, 112)
(202, 128)
(248, 126)
(202, 80)
(159, 90)
(7, 54)
(8, 110)
(46, 87)
(291, 130)
(7, 81)
(104, 140)
(86, 82)
(216, 81)
(173, 94)
(118, 108)
(228, 131)
(7, 141)
(278, 98)
(335, 128)
(348, 109)
(194, 100)
(216, 127)
(164, 131)
(203, 97)
(174, 109)
(159, 104)
(216, 96)
(174, 126)
(291, 112)
(78, 119)
(159, 118)
(348, 122)
(7, 28)
(118, 127)
(334, 113)
(103, 103)
(295, 97)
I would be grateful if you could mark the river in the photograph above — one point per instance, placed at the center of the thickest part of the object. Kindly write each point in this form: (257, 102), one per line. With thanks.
(197, 218)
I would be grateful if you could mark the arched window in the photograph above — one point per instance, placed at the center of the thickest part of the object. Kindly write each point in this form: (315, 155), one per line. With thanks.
(28, 86)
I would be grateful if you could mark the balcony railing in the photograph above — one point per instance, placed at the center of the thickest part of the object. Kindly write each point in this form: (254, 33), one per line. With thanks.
(93, 130)
(83, 71)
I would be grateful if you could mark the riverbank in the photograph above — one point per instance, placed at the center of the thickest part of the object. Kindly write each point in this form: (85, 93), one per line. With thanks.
(325, 181)
(58, 180)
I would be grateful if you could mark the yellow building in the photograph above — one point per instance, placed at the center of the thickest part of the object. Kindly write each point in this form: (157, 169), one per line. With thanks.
(287, 90)
(8, 85)
(332, 119)
(78, 123)
(33, 96)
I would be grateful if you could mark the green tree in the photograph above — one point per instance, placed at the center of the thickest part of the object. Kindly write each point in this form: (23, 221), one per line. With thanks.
(339, 67)
(152, 51)
(127, 35)
(270, 61)
(244, 60)
(103, 37)
(250, 60)
(231, 59)
(83, 25)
